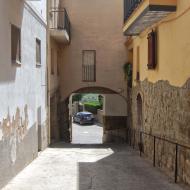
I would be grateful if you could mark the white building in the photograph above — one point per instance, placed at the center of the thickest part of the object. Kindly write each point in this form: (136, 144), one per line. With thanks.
(23, 84)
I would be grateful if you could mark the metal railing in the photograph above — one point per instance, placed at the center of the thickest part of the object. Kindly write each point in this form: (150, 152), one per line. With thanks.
(129, 7)
(59, 20)
(136, 137)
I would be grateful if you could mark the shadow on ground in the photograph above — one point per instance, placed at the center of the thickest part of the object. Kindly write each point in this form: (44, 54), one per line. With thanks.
(116, 167)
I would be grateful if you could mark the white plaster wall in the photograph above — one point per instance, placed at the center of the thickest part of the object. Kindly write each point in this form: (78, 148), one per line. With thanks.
(114, 105)
(25, 85)
(39, 7)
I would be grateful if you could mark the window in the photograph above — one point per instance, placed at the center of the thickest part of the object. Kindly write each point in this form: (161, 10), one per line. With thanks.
(89, 65)
(15, 44)
(52, 61)
(152, 50)
(38, 52)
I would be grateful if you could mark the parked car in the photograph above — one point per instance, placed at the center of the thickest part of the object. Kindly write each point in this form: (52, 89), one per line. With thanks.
(83, 118)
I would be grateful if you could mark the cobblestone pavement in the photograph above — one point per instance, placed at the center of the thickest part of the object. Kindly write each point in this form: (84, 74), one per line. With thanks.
(90, 167)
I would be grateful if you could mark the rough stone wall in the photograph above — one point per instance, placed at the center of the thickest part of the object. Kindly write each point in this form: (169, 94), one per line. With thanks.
(166, 114)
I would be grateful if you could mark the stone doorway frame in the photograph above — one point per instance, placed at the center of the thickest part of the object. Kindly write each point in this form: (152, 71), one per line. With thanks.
(139, 112)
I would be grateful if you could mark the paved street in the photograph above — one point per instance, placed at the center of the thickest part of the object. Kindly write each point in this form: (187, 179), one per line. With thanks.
(87, 134)
(95, 167)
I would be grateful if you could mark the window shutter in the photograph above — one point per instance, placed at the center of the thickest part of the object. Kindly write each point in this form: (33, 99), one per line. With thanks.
(152, 50)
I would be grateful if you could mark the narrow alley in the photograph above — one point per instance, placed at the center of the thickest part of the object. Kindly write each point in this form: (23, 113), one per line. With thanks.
(94, 95)
(96, 167)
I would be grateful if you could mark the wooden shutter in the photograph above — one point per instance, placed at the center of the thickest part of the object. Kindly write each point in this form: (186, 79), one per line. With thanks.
(152, 50)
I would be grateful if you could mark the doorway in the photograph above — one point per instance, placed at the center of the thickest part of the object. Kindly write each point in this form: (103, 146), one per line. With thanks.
(139, 113)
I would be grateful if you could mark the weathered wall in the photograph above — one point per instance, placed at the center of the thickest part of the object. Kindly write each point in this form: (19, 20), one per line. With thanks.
(95, 25)
(114, 118)
(165, 90)
(165, 113)
(173, 49)
(23, 116)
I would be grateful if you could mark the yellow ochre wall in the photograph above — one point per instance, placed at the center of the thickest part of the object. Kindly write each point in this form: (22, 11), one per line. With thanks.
(173, 48)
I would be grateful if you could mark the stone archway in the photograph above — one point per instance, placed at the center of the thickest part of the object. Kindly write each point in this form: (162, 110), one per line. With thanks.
(65, 119)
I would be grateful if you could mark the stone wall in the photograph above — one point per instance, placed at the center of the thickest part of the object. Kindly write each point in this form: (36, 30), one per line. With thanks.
(166, 114)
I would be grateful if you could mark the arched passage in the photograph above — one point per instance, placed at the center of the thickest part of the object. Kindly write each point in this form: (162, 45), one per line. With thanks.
(114, 114)
(139, 112)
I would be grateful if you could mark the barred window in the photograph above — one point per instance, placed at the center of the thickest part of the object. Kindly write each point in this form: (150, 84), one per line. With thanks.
(89, 65)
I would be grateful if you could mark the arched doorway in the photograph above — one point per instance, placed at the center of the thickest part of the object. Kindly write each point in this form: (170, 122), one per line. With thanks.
(139, 113)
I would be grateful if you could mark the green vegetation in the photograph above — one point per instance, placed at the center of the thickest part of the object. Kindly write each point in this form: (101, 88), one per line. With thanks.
(77, 97)
(127, 69)
(92, 106)
(91, 102)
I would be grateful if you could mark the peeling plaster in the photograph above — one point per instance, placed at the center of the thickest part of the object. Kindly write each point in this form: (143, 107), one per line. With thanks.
(14, 130)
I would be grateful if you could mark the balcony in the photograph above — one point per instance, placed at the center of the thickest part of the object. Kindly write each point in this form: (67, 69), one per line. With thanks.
(141, 14)
(60, 26)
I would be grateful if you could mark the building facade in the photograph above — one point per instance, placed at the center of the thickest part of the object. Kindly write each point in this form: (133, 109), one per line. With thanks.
(158, 48)
(23, 86)
(87, 39)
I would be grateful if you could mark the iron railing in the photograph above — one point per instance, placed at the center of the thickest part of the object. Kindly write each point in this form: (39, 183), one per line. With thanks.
(136, 137)
(59, 20)
(129, 7)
